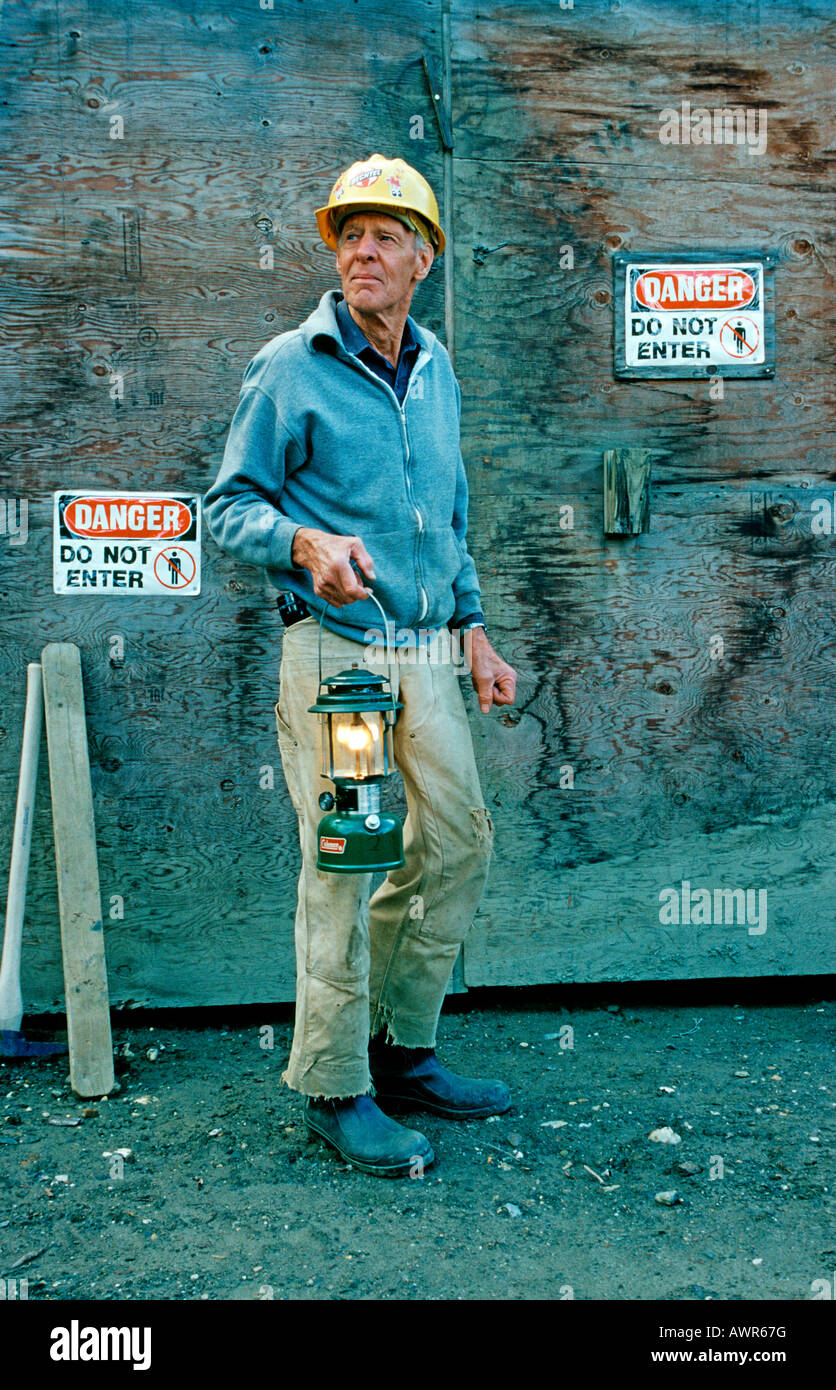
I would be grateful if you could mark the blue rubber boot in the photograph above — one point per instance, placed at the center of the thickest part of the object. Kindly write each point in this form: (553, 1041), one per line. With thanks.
(358, 1129)
(413, 1076)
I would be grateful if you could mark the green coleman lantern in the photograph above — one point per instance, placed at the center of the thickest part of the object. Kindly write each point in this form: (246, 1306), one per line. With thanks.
(357, 712)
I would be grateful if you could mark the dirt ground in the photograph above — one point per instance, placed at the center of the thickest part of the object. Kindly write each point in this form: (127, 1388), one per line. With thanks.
(222, 1196)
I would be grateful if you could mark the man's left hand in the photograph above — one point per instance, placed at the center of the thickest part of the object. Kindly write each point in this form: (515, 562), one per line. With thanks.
(494, 681)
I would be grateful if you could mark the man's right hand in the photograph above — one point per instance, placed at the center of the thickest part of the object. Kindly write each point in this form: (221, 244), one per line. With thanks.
(328, 559)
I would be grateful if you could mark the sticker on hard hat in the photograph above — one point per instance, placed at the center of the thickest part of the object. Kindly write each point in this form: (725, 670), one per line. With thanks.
(330, 845)
(365, 177)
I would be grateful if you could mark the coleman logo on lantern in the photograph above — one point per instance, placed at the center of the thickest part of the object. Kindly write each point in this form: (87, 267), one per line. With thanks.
(357, 711)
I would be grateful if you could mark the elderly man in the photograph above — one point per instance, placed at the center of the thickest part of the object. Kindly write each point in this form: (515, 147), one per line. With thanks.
(343, 465)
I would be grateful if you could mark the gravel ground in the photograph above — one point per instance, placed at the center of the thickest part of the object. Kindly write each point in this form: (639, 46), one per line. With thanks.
(221, 1195)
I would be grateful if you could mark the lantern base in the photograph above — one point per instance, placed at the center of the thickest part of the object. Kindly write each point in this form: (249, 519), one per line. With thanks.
(347, 846)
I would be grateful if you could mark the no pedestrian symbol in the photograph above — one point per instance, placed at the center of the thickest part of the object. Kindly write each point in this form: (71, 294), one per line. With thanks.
(740, 336)
(174, 567)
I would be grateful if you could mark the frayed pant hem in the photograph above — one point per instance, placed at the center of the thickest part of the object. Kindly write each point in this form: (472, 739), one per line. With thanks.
(310, 1089)
(409, 1035)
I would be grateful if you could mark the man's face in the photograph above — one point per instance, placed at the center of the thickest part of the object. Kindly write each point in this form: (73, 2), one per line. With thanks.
(378, 262)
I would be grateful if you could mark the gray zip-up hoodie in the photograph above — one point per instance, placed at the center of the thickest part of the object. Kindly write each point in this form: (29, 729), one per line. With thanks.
(319, 440)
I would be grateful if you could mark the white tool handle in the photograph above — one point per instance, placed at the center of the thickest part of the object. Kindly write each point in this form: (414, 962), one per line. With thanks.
(11, 999)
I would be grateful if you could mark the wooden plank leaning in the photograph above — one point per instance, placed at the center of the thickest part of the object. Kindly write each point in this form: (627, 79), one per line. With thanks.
(79, 901)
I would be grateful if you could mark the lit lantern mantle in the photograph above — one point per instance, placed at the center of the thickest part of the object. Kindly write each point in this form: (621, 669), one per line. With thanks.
(357, 713)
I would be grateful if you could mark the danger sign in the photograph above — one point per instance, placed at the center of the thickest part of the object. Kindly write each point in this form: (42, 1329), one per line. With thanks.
(692, 317)
(126, 543)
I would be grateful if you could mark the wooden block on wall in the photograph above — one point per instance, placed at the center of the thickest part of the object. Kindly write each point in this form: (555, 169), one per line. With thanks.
(626, 491)
(79, 900)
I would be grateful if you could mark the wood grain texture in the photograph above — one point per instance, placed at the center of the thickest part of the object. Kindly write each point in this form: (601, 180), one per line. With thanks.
(77, 872)
(141, 257)
(144, 257)
(671, 721)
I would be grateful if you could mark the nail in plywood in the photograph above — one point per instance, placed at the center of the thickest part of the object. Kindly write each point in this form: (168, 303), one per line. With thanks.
(79, 901)
(626, 491)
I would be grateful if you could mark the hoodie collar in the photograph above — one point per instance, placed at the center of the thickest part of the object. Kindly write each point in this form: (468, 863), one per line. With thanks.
(322, 324)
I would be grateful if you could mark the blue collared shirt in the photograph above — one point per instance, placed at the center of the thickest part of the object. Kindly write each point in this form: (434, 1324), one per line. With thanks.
(356, 342)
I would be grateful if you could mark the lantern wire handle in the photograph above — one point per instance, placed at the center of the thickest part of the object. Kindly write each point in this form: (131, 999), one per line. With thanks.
(388, 651)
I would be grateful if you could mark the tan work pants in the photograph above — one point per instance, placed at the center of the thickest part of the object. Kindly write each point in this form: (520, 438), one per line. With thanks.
(360, 964)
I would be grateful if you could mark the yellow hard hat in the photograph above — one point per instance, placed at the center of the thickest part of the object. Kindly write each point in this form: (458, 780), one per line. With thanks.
(385, 185)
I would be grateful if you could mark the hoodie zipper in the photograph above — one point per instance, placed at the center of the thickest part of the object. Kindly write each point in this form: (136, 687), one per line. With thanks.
(407, 456)
(418, 573)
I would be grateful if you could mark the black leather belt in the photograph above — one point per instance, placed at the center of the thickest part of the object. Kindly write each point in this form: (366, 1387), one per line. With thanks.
(292, 609)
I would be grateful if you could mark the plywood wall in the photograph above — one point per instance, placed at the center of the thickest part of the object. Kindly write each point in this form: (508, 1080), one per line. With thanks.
(718, 772)
(141, 256)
